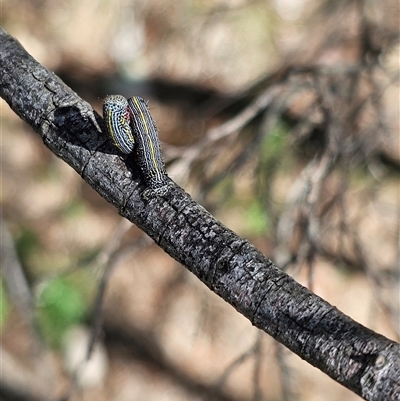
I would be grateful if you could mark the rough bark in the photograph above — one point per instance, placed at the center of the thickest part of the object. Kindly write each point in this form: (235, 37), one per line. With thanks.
(358, 358)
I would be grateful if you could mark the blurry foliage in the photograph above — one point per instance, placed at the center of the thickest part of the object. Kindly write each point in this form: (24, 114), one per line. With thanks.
(275, 142)
(74, 209)
(257, 219)
(273, 158)
(4, 305)
(27, 244)
(275, 155)
(62, 303)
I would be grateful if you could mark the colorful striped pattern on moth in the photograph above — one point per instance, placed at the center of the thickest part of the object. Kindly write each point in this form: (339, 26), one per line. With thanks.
(117, 116)
(149, 147)
(134, 114)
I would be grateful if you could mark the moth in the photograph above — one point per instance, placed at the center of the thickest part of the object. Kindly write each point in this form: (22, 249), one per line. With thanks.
(117, 117)
(130, 125)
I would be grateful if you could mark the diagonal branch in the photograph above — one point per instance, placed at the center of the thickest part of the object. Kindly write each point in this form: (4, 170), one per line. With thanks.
(363, 361)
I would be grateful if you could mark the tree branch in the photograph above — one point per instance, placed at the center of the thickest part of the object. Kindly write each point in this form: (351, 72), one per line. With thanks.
(358, 358)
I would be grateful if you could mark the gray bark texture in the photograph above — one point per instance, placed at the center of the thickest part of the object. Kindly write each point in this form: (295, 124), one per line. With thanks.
(361, 360)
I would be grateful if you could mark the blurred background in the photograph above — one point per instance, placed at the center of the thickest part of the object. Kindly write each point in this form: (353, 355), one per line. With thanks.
(281, 117)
